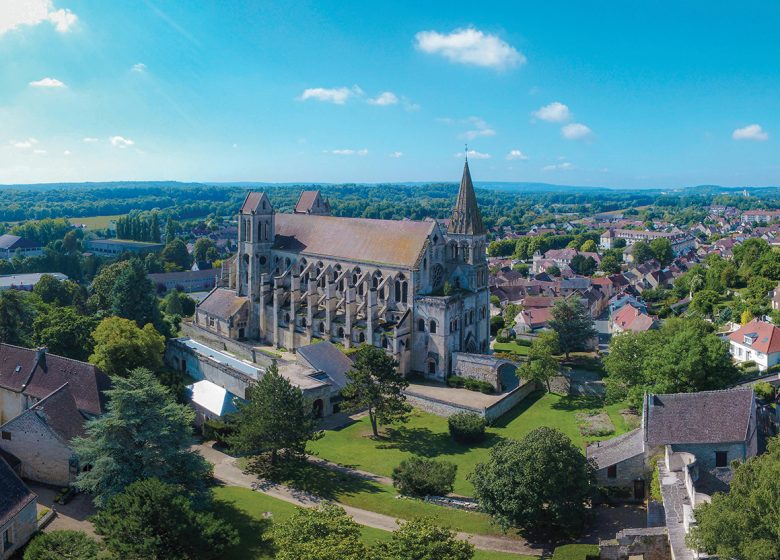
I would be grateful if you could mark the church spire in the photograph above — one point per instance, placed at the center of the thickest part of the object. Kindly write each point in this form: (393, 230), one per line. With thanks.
(466, 219)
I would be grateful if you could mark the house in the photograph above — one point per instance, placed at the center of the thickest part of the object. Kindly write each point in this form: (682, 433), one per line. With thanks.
(12, 245)
(776, 298)
(533, 319)
(210, 401)
(26, 281)
(18, 512)
(632, 319)
(758, 341)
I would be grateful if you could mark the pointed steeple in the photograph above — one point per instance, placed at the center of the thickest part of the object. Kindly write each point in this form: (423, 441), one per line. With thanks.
(466, 219)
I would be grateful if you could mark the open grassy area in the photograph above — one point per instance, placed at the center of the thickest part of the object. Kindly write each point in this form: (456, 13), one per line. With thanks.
(576, 552)
(246, 510)
(427, 435)
(512, 347)
(96, 222)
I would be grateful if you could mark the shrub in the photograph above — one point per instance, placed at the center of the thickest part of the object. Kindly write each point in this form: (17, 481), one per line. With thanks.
(764, 391)
(467, 427)
(424, 477)
(456, 381)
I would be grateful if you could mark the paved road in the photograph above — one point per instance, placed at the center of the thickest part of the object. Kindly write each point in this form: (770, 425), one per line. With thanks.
(226, 471)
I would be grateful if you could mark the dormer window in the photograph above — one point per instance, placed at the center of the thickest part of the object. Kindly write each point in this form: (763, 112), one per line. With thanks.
(750, 338)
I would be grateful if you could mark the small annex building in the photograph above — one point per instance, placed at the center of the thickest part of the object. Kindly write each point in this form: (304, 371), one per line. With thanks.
(18, 511)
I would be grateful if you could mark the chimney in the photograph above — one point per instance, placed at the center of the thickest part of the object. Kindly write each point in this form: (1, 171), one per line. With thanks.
(40, 357)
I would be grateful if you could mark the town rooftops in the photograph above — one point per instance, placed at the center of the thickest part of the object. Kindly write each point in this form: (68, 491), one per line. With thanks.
(759, 335)
(631, 318)
(39, 374)
(704, 417)
(15, 495)
(10, 242)
(391, 242)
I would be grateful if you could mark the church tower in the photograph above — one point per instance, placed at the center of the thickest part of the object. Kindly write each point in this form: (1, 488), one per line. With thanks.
(255, 239)
(467, 238)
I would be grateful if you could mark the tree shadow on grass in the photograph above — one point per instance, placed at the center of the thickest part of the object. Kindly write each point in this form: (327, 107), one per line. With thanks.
(524, 405)
(426, 443)
(254, 537)
(579, 403)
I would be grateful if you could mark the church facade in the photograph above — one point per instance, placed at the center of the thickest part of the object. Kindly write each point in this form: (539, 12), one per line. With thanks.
(418, 289)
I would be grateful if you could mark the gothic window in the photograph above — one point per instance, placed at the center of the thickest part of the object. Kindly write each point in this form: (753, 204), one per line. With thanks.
(362, 337)
(322, 327)
(341, 285)
(286, 317)
(404, 291)
(465, 253)
(432, 326)
(437, 276)
(457, 282)
(421, 325)
(397, 290)
(431, 367)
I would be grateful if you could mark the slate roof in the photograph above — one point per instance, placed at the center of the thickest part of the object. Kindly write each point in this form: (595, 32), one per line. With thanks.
(704, 417)
(222, 303)
(59, 411)
(466, 218)
(14, 496)
(12, 242)
(391, 242)
(252, 202)
(325, 357)
(765, 336)
(617, 449)
(38, 373)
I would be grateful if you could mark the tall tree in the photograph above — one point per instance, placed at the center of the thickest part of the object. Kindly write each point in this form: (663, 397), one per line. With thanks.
(377, 386)
(642, 252)
(744, 524)
(662, 250)
(275, 418)
(133, 296)
(205, 250)
(154, 228)
(323, 533)
(151, 520)
(171, 228)
(102, 288)
(120, 346)
(542, 365)
(17, 313)
(176, 257)
(422, 539)
(573, 324)
(51, 290)
(65, 332)
(143, 434)
(542, 485)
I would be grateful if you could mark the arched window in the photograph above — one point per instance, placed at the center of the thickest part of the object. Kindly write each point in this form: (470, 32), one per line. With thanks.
(322, 327)
(404, 291)
(286, 317)
(397, 290)
(362, 337)
(432, 326)
(421, 325)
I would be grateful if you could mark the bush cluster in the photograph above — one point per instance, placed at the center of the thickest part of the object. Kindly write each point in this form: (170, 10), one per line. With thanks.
(424, 477)
(470, 384)
(467, 427)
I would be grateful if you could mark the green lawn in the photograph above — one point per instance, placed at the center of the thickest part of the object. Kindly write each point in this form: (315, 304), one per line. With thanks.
(512, 347)
(245, 509)
(427, 435)
(95, 222)
(575, 552)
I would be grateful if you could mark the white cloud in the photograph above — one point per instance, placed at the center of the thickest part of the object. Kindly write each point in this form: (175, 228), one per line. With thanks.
(554, 112)
(16, 13)
(40, 152)
(473, 154)
(564, 165)
(120, 142)
(66, 153)
(89, 140)
(139, 67)
(338, 96)
(24, 144)
(396, 155)
(576, 131)
(348, 152)
(516, 154)
(481, 128)
(384, 98)
(48, 83)
(750, 132)
(470, 46)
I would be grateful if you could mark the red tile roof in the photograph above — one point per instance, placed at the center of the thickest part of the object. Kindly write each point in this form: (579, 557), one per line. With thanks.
(629, 318)
(765, 336)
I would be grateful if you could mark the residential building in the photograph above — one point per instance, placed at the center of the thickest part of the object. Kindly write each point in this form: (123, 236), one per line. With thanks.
(758, 341)
(114, 247)
(759, 216)
(26, 281)
(18, 512)
(632, 319)
(681, 242)
(12, 245)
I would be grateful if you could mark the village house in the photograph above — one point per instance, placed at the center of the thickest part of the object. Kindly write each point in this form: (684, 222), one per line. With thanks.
(632, 319)
(758, 341)
(18, 512)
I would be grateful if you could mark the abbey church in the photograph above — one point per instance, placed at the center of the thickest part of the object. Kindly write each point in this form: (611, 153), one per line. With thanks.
(418, 289)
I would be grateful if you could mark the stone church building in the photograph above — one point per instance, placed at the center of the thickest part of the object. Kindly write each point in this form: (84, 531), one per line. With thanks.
(418, 289)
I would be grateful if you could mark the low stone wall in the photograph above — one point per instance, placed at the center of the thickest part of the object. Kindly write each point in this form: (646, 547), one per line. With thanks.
(511, 400)
(244, 351)
(647, 543)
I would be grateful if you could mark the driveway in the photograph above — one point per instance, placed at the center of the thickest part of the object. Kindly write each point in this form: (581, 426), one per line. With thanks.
(71, 516)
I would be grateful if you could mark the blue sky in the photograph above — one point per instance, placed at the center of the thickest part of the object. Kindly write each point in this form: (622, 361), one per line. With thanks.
(629, 94)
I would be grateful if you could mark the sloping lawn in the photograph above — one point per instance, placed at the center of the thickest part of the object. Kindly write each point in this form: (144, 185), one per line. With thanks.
(427, 435)
(512, 347)
(245, 509)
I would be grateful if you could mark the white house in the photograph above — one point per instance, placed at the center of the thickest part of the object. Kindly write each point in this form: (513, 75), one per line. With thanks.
(757, 341)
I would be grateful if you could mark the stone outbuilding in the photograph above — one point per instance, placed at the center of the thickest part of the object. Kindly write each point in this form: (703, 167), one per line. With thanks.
(18, 512)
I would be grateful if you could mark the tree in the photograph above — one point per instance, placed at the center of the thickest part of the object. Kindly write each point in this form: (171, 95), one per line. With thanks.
(322, 533)
(205, 250)
(51, 290)
(542, 484)
(64, 332)
(662, 250)
(496, 324)
(178, 303)
(102, 288)
(704, 301)
(120, 346)
(143, 434)
(553, 270)
(642, 252)
(683, 356)
(417, 476)
(17, 312)
(171, 228)
(585, 266)
(152, 520)
(275, 417)
(175, 256)
(573, 324)
(132, 295)
(70, 242)
(609, 264)
(619, 243)
(589, 246)
(62, 545)
(154, 228)
(377, 386)
(542, 365)
(743, 524)
(422, 539)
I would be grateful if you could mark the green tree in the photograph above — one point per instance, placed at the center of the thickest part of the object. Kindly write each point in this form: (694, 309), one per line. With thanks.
(585, 266)
(542, 484)
(642, 252)
(274, 418)
(553, 270)
(589, 246)
(62, 545)
(17, 312)
(704, 301)
(102, 288)
(64, 332)
(178, 303)
(70, 242)
(573, 324)
(176, 257)
(377, 386)
(422, 539)
(743, 523)
(609, 265)
(120, 346)
(143, 434)
(205, 250)
(152, 520)
(542, 365)
(132, 295)
(51, 290)
(154, 228)
(171, 228)
(323, 533)
(662, 250)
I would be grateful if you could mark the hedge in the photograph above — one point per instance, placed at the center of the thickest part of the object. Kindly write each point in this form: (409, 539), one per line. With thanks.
(467, 427)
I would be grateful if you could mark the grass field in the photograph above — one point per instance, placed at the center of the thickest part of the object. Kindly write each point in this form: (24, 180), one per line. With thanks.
(246, 510)
(513, 347)
(427, 435)
(95, 222)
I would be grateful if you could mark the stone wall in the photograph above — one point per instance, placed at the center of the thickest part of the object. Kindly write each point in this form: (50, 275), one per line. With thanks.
(476, 366)
(511, 400)
(647, 543)
(627, 472)
(22, 527)
(221, 343)
(183, 358)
